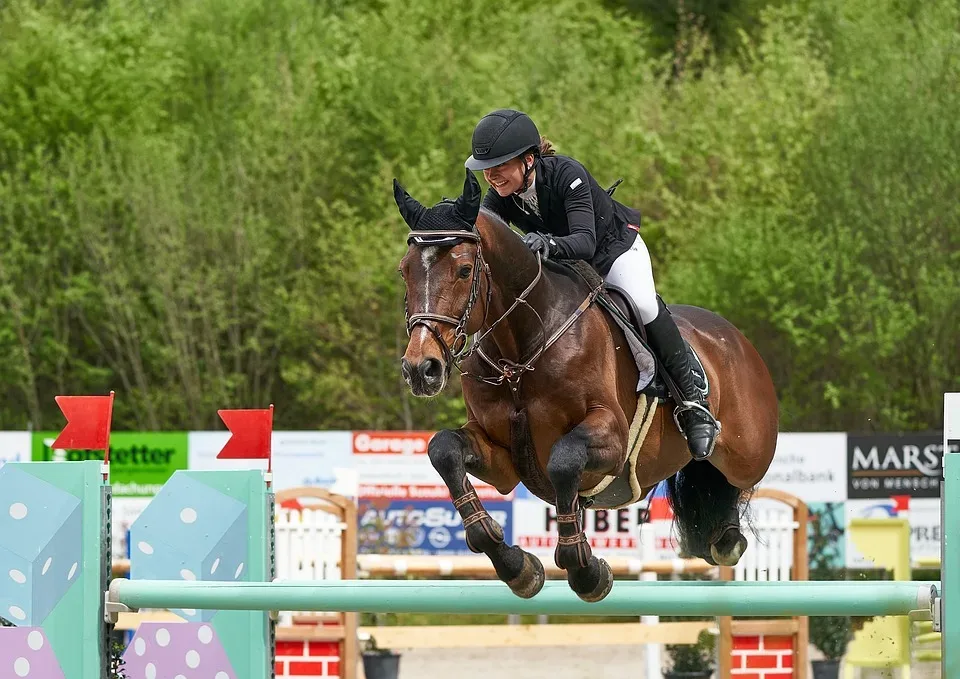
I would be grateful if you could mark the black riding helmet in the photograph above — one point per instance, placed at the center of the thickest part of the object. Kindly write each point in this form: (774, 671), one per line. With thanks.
(501, 135)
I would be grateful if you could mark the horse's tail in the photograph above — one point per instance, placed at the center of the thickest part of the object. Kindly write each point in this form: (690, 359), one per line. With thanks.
(703, 502)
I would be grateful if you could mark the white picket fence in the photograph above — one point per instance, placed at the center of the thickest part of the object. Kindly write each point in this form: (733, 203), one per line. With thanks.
(308, 547)
(769, 558)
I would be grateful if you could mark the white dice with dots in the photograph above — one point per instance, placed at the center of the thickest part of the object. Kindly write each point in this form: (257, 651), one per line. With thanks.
(190, 531)
(40, 546)
(177, 651)
(26, 654)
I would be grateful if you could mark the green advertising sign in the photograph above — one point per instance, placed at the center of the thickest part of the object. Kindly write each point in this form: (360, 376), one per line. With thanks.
(140, 462)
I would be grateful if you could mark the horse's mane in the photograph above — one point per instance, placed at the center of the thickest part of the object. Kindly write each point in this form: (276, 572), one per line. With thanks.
(578, 271)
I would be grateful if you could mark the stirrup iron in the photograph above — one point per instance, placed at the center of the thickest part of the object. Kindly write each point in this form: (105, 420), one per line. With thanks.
(693, 405)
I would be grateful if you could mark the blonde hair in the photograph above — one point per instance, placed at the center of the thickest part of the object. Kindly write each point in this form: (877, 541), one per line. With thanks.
(546, 147)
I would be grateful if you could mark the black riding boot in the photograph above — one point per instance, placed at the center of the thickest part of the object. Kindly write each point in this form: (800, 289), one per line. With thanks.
(697, 424)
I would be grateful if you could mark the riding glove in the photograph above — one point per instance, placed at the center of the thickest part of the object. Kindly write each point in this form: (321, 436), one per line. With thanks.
(537, 242)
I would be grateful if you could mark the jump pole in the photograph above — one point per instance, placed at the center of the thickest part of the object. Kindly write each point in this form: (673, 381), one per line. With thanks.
(628, 598)
(946, 611)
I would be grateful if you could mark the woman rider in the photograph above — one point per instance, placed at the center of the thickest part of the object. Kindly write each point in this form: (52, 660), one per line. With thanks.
(564, 213)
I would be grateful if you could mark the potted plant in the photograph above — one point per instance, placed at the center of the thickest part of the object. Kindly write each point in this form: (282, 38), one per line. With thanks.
(829, 634)
(691, 661)
(379, 663)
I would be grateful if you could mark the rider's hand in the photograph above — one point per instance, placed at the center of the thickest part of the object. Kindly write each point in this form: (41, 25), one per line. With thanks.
(537, 242)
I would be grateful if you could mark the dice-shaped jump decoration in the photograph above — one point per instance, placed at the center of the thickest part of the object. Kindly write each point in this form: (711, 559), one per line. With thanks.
(40, 546)
(26, 652)
(190, 531)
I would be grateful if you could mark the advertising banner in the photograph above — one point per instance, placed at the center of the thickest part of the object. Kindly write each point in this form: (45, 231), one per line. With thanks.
(140, 462)
(14, 446)
(396, 462)
(404, 506)
(611, 532)
(881, 465)
(300, 458)
(400, 525)
(393, 457)
(923, 515)
(811, 466)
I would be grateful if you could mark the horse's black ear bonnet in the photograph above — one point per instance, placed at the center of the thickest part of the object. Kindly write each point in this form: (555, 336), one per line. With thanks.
(447, 215)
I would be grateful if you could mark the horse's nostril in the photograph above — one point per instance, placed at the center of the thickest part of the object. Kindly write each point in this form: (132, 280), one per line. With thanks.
(405, 369)
(432, 369)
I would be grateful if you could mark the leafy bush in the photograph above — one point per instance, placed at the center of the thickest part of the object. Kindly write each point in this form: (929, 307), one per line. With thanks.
(196, 210)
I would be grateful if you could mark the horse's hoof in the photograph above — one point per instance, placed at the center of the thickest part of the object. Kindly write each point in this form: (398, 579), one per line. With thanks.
(530, 580)
(731, 547)
(604, 585)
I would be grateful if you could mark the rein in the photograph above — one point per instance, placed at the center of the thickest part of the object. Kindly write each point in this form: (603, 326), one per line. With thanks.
(507, 370)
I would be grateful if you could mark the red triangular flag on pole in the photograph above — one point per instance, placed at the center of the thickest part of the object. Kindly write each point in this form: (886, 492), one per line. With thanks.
(251, 429)
(88, 423)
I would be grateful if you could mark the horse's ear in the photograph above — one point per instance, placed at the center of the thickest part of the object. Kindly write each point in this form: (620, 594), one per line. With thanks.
(410, 208)
(468, 204)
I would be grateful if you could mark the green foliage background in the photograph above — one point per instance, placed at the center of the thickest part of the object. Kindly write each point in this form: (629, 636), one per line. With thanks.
(196, 205)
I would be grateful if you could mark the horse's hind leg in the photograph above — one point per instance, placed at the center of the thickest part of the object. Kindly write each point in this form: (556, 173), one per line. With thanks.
(593, 445)
(707, 508)
(452, 453)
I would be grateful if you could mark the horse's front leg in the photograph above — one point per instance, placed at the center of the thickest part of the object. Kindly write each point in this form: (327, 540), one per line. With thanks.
(455, 451)
(594, 445)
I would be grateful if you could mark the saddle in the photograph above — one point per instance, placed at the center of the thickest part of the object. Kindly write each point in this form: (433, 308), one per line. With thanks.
(653, 379)
(622, 309)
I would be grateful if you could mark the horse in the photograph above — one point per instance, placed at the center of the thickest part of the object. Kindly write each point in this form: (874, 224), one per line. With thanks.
(550, 387)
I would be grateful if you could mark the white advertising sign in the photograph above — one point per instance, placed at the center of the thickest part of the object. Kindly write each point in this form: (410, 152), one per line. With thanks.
(391, 463)
(924, 517)
(610, 532)
(300, 458)
(812, 466)
(14, 446)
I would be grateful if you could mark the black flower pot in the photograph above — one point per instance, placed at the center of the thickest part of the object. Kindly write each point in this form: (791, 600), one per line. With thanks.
(381, 664)
(701, 674)
(825, 669)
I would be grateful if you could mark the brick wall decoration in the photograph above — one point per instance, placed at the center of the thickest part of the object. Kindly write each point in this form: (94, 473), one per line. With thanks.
(762, 657)
(308, 659)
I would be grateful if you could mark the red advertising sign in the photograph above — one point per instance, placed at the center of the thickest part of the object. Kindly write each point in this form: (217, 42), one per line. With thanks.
(391, 442)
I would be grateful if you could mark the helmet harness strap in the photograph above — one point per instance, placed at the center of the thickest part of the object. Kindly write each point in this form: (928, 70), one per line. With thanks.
(527, 169)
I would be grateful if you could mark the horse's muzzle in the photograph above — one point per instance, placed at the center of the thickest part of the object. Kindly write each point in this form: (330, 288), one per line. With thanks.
(425, 378)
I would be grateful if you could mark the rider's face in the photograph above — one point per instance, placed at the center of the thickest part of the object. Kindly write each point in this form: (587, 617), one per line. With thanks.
(507, 177)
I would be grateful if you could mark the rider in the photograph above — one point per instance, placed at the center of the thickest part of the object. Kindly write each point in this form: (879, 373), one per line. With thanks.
(564, 213)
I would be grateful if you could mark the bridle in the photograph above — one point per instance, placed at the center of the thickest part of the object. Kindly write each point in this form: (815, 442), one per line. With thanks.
(454, 354)
(507, 370)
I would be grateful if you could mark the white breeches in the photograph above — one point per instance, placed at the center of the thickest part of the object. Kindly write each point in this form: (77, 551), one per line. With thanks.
(633, 273)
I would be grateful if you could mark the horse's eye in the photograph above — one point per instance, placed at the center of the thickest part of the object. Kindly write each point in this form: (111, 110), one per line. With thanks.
(464, 271)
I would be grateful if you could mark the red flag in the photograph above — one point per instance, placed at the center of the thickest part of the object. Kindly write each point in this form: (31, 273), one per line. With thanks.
(88, 422)
(251, 431)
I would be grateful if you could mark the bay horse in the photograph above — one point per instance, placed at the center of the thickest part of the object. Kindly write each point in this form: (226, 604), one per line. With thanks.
(551, 388)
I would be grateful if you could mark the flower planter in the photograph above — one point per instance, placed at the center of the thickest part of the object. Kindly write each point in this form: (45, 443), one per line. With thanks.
(704, 674)
(825, 669)
(381, 664)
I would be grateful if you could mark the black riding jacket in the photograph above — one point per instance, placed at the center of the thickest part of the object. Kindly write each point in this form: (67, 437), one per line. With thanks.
(584, 220)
